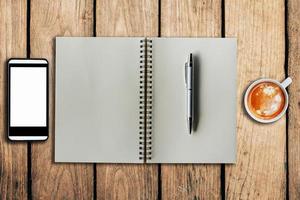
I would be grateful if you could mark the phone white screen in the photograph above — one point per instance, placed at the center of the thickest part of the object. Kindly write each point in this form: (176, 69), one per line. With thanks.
(28, 96)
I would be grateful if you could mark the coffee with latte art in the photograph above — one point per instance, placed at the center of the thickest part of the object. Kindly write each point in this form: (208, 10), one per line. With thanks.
(266, 100)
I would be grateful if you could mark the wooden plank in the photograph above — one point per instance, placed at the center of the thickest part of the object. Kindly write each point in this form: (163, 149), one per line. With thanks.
(13, 156)
(48, 20)
(197, 19)
(294, 92)
(127, 18)
(260, 169)
(127, 181)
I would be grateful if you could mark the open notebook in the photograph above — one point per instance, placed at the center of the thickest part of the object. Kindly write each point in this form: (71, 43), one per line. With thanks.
(122, 100)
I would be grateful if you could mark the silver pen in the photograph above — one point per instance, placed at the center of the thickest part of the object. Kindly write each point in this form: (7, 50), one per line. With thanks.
(189, 82)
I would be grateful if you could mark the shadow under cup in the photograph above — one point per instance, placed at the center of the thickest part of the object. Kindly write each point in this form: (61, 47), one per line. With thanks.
(266, 100)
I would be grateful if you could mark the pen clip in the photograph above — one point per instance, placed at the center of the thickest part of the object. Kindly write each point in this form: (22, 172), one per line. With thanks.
(185, 72)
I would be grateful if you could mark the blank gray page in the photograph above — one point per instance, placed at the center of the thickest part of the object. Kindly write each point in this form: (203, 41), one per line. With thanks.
(214, 136)
(97, 100)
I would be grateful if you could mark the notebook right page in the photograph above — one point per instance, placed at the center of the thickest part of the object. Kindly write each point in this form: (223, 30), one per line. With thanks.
(214, 134)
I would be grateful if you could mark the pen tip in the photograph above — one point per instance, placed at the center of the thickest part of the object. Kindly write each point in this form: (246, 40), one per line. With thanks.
(190, 126)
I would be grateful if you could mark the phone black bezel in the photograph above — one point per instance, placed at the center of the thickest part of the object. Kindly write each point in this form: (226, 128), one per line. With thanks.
(27, 131)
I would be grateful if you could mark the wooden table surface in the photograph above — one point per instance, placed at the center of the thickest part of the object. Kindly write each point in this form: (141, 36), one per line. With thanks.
(268, 156)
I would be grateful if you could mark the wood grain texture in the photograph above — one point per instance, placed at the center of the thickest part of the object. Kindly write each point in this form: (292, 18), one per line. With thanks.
(127, 18)
(294, 92)
(48, 20)
(127, 181)
(184, 19)
(261, 156)
(13, 156)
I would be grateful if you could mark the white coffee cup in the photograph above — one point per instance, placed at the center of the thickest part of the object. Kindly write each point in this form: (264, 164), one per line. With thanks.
(282, 86)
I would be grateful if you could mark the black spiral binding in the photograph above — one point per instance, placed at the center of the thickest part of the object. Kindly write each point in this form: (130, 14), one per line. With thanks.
(149, 87)
(145, 108)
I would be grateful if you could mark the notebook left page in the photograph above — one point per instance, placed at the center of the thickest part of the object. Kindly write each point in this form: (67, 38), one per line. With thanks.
(97, 100)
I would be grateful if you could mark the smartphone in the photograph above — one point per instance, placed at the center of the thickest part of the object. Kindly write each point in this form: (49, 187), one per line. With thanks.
(27, 99)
